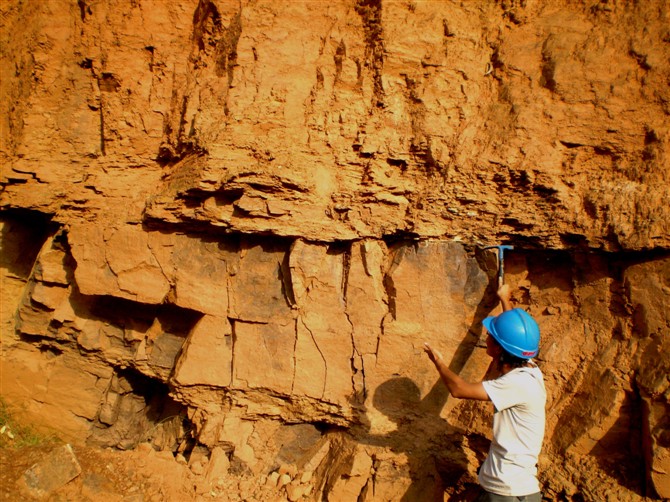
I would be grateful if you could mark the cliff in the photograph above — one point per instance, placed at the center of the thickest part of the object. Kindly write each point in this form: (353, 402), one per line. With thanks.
(232, 225)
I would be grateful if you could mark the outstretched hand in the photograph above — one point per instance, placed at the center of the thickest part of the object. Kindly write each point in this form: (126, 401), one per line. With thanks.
(433, 355)
(457, 386)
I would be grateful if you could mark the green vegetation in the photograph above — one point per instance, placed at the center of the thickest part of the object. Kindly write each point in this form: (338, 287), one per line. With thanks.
(13, 434)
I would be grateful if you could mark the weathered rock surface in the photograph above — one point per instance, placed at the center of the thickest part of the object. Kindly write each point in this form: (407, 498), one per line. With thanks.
(479, 121)
(54, 471)
(232, 225)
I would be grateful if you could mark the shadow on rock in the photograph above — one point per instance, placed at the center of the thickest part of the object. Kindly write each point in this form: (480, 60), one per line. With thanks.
(434, 449)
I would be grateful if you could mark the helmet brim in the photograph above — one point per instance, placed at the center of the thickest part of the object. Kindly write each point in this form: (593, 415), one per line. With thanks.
(488, 324)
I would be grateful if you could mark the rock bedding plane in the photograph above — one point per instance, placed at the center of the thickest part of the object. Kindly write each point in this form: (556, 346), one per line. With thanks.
(229, 227)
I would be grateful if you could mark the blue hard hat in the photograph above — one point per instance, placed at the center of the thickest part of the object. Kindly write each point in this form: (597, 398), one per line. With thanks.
(516, 331)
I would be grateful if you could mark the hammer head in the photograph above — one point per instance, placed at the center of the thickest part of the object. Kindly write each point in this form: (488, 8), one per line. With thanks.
(500, 248)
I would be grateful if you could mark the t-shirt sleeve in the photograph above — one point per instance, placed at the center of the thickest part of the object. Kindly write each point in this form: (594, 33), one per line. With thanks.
(506, 391)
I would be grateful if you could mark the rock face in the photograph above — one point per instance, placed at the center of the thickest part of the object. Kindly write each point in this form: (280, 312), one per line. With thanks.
(232, 225)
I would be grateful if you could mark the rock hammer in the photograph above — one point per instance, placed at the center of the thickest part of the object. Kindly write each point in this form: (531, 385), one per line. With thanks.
(501, 252)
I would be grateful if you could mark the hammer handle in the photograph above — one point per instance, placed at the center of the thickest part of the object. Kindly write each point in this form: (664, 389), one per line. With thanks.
(501, 259)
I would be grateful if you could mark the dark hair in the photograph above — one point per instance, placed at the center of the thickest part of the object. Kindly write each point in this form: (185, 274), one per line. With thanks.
(512, 360)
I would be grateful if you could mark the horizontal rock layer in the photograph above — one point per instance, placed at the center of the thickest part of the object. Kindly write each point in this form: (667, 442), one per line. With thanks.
(481, 122)
(128, 336)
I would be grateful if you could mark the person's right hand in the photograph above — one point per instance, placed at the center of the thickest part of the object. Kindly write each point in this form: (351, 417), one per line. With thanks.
(504, 293)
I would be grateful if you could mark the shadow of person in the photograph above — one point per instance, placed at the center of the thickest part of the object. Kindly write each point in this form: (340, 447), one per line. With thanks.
(433, 448)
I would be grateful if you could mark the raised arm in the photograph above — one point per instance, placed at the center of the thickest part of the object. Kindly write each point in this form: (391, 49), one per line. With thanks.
(456, 385)
(505, 295)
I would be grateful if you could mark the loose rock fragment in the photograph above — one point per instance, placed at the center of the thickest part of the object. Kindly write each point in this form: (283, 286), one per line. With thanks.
(54, 471)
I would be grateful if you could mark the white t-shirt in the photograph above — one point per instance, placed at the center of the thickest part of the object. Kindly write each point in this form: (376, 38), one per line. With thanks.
(519, 398)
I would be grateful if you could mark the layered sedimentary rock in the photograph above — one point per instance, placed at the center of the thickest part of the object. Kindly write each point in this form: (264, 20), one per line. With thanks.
(232, 226)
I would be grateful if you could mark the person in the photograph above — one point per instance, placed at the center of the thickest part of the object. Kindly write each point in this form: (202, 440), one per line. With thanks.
(509, 472)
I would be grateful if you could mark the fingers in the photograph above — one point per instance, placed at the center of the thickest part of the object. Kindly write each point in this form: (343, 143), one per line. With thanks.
(504, 291)
(432, 354)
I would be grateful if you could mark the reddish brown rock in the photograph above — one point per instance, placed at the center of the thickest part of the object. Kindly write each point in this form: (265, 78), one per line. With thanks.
(52, 472)
(221, 219)
(207, 355)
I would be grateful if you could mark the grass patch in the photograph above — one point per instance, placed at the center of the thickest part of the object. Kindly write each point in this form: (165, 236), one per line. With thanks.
(13, 434)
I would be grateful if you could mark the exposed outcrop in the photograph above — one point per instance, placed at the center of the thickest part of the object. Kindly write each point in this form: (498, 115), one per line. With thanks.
(229, 227)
